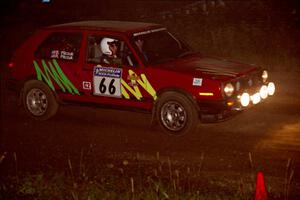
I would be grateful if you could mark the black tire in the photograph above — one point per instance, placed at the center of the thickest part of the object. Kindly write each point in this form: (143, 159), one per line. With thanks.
(176, 114)
(38, 100)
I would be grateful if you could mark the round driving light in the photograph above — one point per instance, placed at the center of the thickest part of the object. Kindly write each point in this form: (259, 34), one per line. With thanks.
(255, 98)
(228, 89)
(263, 92)
(264, 75)
(245, 99)
(271, 88)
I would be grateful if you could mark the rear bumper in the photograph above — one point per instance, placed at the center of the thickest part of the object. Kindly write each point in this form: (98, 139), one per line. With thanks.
(13, 85)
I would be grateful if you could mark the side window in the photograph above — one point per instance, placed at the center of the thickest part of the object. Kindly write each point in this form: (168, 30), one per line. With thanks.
(129, 58)
(107, 50)
(94, 52)
(61, 46)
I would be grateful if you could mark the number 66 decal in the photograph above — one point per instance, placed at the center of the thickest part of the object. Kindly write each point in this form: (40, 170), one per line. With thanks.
(111, 87)
(107, 81)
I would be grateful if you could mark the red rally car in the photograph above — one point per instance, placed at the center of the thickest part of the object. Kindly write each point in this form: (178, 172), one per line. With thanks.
(132, 65)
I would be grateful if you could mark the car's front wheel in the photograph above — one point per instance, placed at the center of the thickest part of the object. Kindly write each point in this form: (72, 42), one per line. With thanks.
(38, 100)
(176, 114)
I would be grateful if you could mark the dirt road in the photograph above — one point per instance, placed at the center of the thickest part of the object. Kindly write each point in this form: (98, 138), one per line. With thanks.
(269, 133)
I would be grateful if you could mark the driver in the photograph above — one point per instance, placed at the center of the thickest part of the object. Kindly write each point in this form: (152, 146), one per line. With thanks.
(110, 48)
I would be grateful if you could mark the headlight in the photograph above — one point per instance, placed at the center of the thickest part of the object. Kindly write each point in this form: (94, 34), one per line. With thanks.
(264, 75)
(228, 89)
(255, 98)
(263, 92)
(245, 99)
(271, 88)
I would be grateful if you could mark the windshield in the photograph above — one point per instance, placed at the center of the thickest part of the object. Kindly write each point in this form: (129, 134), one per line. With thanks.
(160, 47)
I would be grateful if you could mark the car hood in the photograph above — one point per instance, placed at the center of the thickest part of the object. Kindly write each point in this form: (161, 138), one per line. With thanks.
(210, 66)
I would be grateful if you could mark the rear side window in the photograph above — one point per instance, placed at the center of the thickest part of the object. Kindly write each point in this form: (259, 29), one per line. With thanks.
(61, 46)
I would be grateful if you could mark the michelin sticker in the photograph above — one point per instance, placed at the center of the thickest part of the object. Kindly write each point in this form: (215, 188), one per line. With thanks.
(107, 81)
(197, 81)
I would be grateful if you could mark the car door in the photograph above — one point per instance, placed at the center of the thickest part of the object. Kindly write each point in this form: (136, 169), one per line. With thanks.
(120, 81)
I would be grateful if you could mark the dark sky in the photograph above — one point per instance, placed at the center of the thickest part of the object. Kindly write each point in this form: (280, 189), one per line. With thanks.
(118, 8)
(61, 11)
(29, 15)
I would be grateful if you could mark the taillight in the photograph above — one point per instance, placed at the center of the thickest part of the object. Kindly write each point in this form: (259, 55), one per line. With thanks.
(11, 65)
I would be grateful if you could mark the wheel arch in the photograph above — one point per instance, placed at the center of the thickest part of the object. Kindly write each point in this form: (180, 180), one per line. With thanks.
(177, 123)
(33, 78)
(41, 104)
(191, 98)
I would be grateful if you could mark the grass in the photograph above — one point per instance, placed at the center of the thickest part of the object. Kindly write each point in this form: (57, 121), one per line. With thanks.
(160, 178)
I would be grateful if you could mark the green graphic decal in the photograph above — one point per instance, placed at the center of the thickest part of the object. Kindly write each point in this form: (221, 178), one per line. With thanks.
(54, 71)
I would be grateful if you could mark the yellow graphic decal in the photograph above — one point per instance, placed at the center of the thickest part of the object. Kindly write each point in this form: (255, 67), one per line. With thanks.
(147, 86)
(132, 76)
(135, 91)
(135, 82)
(123, 91)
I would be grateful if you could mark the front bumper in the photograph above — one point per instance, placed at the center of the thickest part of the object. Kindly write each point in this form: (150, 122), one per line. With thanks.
(222, 109)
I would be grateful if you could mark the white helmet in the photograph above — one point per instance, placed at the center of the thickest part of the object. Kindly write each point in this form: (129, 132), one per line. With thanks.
(104, 45)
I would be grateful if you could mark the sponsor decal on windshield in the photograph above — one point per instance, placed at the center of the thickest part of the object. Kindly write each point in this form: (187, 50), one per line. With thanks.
(149, 31)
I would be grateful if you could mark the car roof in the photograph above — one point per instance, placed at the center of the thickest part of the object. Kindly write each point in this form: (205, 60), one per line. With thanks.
(116, 26)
